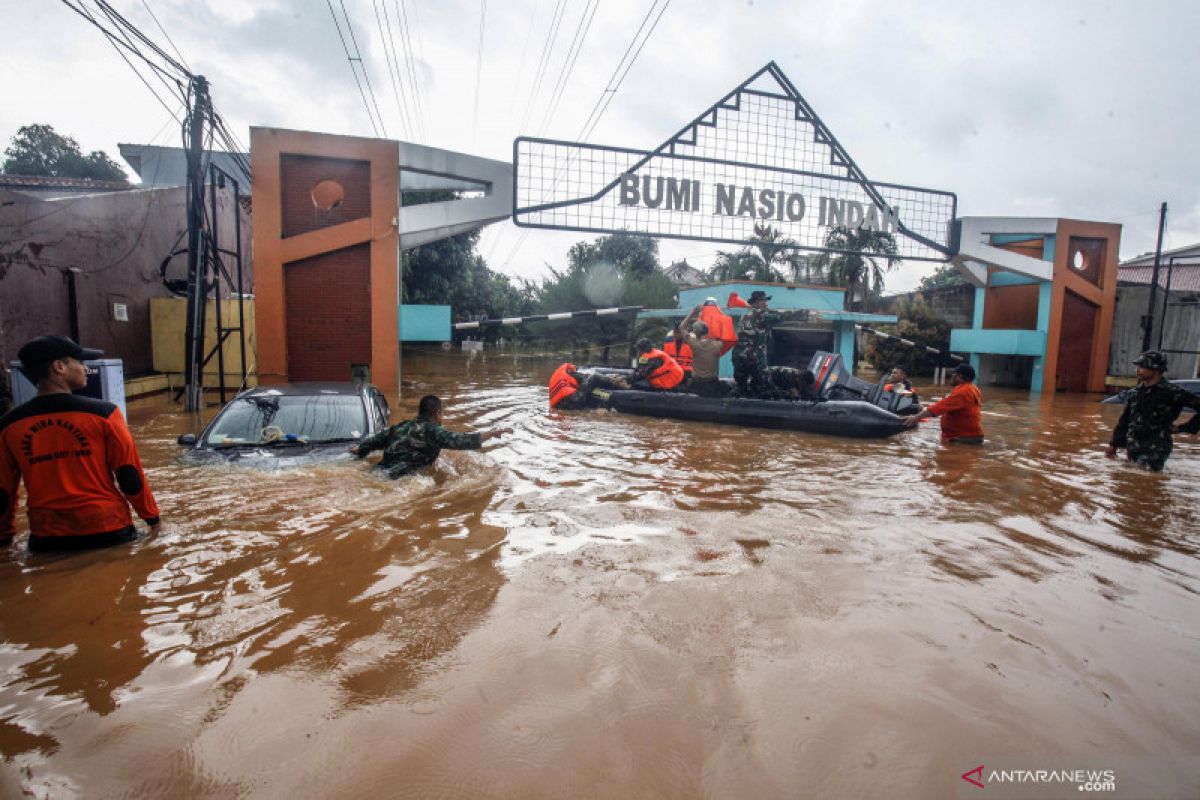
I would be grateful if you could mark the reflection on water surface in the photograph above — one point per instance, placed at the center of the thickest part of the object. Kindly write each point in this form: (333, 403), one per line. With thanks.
(612, 606)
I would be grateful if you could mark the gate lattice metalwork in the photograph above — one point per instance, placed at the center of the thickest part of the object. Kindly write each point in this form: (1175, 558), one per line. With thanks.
(758, 156)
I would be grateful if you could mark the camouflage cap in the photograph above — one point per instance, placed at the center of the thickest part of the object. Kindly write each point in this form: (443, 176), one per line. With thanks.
(1151, 359)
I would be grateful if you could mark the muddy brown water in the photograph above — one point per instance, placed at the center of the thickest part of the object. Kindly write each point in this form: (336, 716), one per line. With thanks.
(616, 607)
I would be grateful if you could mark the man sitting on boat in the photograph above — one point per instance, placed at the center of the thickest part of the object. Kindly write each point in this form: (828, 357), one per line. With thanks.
(678, 348)
(570, 390)
(655, 371)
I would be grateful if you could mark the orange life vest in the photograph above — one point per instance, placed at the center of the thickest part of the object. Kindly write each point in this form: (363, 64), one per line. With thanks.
(562, 385)
(684, 355)
(720, 326)
(668, 375)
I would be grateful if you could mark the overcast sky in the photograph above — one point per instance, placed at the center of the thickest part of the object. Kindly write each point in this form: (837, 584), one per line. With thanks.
(1042, 108)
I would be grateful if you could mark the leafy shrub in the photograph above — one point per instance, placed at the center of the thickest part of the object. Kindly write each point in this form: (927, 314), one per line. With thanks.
(918, 323)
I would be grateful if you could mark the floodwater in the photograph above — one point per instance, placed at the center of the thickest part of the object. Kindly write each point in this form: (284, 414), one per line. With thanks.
(619, 607)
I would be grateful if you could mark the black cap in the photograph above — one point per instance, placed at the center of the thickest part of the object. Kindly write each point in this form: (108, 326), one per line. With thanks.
(51, 348)
(759, 294)
(966, 370)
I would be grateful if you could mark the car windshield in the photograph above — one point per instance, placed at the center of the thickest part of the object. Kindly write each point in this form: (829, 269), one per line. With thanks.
(311, 418)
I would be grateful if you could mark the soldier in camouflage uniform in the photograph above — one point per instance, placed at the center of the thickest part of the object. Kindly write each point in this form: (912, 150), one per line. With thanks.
(750, 352)
(416, 443)
(1147, 423)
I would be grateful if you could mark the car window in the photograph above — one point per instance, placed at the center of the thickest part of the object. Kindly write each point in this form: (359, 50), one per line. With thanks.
(315, 418)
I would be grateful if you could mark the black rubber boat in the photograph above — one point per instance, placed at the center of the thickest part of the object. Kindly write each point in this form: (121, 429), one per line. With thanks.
(845, 406)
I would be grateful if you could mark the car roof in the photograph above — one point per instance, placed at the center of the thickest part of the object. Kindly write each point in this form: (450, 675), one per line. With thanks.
(308, 388)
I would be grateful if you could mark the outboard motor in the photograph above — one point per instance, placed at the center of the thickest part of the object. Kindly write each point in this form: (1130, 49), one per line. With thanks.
(834, 382)
(830, 371)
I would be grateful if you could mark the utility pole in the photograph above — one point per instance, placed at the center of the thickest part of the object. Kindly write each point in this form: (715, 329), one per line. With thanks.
(1148, 328)
(193, 378)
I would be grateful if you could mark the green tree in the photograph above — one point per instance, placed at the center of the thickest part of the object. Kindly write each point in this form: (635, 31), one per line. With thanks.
(768, 256)
(920, 324)
(945, 275)
(40, 150)
(451, 272)
(617, 270)
(863, 257)
(631, 254)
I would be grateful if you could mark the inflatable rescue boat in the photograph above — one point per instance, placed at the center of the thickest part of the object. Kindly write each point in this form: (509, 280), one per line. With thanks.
(838, 404)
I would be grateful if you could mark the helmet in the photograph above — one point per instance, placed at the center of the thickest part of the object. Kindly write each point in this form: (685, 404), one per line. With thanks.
(1151, 359)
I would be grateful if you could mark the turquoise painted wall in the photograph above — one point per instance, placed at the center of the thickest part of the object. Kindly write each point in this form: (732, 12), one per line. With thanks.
(977, 340)
(424, 323)
(782, 297)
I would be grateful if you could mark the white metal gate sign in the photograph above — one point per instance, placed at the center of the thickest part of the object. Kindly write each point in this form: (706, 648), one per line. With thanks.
(758, 157)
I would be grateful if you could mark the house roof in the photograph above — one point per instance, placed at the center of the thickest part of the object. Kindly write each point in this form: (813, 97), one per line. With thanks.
(1185, 277)
(1191, 252)
(43, 183)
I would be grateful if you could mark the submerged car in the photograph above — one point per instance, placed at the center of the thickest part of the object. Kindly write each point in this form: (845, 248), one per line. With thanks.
(291, 421)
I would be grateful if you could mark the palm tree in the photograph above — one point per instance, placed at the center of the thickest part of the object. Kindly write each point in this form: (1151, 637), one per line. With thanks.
(740, 266)
(775, 257)
(855, 265)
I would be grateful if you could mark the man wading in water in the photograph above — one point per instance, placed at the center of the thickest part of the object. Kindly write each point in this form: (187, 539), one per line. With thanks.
(1148, 421)
(960, 410)
(416, 443)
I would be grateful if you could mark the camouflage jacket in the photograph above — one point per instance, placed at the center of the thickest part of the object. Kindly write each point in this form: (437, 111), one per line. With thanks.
(754, 330)
(413, 444)
(1147, 419)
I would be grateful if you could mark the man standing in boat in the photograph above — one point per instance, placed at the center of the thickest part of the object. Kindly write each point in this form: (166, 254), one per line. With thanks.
(961, 411)
(1148, 421)
(706, 356)
(750, 352)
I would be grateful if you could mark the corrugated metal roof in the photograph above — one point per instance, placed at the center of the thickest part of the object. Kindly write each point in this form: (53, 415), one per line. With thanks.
(1147, 259)
(1184, 278)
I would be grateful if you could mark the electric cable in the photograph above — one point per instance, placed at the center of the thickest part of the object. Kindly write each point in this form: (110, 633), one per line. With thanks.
(610, 90)
(362, 66)
(393, 65)
(410, 58)
(564, 76)
(478, 69)
(547, 48)
(350, 60)
(165, 34)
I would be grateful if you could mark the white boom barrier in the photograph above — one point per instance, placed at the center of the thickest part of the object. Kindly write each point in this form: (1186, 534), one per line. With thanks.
(591, 312)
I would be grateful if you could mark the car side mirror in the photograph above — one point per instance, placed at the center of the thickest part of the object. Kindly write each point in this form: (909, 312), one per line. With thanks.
(187, 439)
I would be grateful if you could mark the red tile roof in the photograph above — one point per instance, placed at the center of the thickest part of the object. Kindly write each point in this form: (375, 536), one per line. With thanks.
(45, 183)
(1184, 278)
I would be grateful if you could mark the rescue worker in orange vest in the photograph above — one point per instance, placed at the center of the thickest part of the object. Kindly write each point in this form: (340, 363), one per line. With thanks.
(570, 390)
(655, 371)
(719, 324)
(75, 454)
(677, 347)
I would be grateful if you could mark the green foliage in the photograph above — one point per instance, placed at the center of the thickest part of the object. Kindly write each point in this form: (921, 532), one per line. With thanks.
(450, 272)
(632, 255)
(40, 150)
(617, 270)
(945, 275)
(918, 323)
(857, 266)
(769, 257)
